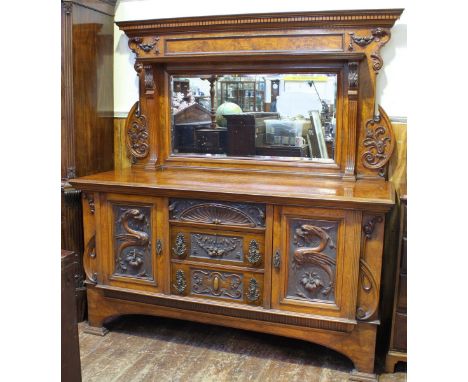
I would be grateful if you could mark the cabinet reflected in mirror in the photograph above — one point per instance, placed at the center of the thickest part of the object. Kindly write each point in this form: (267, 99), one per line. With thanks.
(258, 116)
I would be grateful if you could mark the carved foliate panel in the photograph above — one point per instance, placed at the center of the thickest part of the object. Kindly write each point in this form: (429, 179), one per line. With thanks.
(219, 247)
(312, 260)
(217, 284)
(137, 134)
(219, 213)
(132, 241)
(378, 143)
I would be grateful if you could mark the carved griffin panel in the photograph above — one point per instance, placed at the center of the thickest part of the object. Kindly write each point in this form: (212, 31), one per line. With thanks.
(132, 241)
(312, 260)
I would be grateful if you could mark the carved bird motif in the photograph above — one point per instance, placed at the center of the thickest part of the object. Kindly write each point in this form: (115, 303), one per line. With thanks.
(133, 237)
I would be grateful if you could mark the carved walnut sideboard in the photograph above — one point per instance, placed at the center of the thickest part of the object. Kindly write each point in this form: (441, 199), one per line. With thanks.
(287, 246)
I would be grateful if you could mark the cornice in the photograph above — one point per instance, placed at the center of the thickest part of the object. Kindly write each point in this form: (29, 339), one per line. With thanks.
(384, 18)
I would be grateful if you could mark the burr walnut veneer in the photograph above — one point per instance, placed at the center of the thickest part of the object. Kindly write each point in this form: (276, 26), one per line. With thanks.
(283, 246)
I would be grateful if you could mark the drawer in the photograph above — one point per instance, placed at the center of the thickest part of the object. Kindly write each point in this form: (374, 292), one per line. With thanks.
(399, 334)
(217, 213)
(244, 249)
(402, 293)
(217, 284)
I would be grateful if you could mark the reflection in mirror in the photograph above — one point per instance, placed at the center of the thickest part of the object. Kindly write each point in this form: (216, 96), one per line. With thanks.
(260, 116)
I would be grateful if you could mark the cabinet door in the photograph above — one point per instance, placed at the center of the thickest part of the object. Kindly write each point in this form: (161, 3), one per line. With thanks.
(316, 261)
(132, 241)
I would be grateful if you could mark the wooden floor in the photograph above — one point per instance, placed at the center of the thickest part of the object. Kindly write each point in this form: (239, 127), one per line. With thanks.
(157, 349)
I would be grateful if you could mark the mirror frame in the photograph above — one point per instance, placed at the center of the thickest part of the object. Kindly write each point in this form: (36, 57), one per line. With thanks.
(348, 40)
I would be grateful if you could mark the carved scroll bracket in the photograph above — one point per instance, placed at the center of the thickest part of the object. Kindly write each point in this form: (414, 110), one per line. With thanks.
(368, 298)
(353, 76)
(90, 254)
(145, 72)
(90, 198)
(368, 286)
(379, 35)
(139, 44)
(378, 143)
(137, 135)
(368, 228)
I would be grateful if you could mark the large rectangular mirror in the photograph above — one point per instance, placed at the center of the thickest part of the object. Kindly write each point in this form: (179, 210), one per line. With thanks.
(261, 116)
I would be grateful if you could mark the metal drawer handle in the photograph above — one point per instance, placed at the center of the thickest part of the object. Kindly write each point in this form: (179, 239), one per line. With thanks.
(159, 247)
(277, 259)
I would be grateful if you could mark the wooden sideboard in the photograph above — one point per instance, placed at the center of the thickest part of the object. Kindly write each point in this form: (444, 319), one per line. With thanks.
(87, 112)
(287, 246)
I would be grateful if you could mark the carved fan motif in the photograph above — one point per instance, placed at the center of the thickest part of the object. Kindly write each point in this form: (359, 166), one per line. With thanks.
(217, 214)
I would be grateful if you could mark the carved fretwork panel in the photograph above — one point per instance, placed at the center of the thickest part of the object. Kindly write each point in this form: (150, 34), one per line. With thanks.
(370, 263)
(132, 241)
(217, 284)
(218, 213)
(312, 260)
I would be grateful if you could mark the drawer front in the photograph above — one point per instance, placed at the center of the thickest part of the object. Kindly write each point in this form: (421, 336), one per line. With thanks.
(217, 284)
(217, 213)
(217, 246)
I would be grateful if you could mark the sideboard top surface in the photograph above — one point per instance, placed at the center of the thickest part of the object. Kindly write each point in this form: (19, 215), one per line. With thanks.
(255, 187)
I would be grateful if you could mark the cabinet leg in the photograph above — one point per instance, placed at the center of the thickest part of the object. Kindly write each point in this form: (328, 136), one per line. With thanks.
(359, 376)
(390, 364)
(392, 358)
(96, 330)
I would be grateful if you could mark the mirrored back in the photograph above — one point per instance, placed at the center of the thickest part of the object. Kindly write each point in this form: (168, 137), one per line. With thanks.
(258, 116)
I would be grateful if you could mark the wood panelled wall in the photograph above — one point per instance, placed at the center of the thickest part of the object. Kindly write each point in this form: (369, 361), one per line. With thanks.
(121, 159)
(87, 113)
